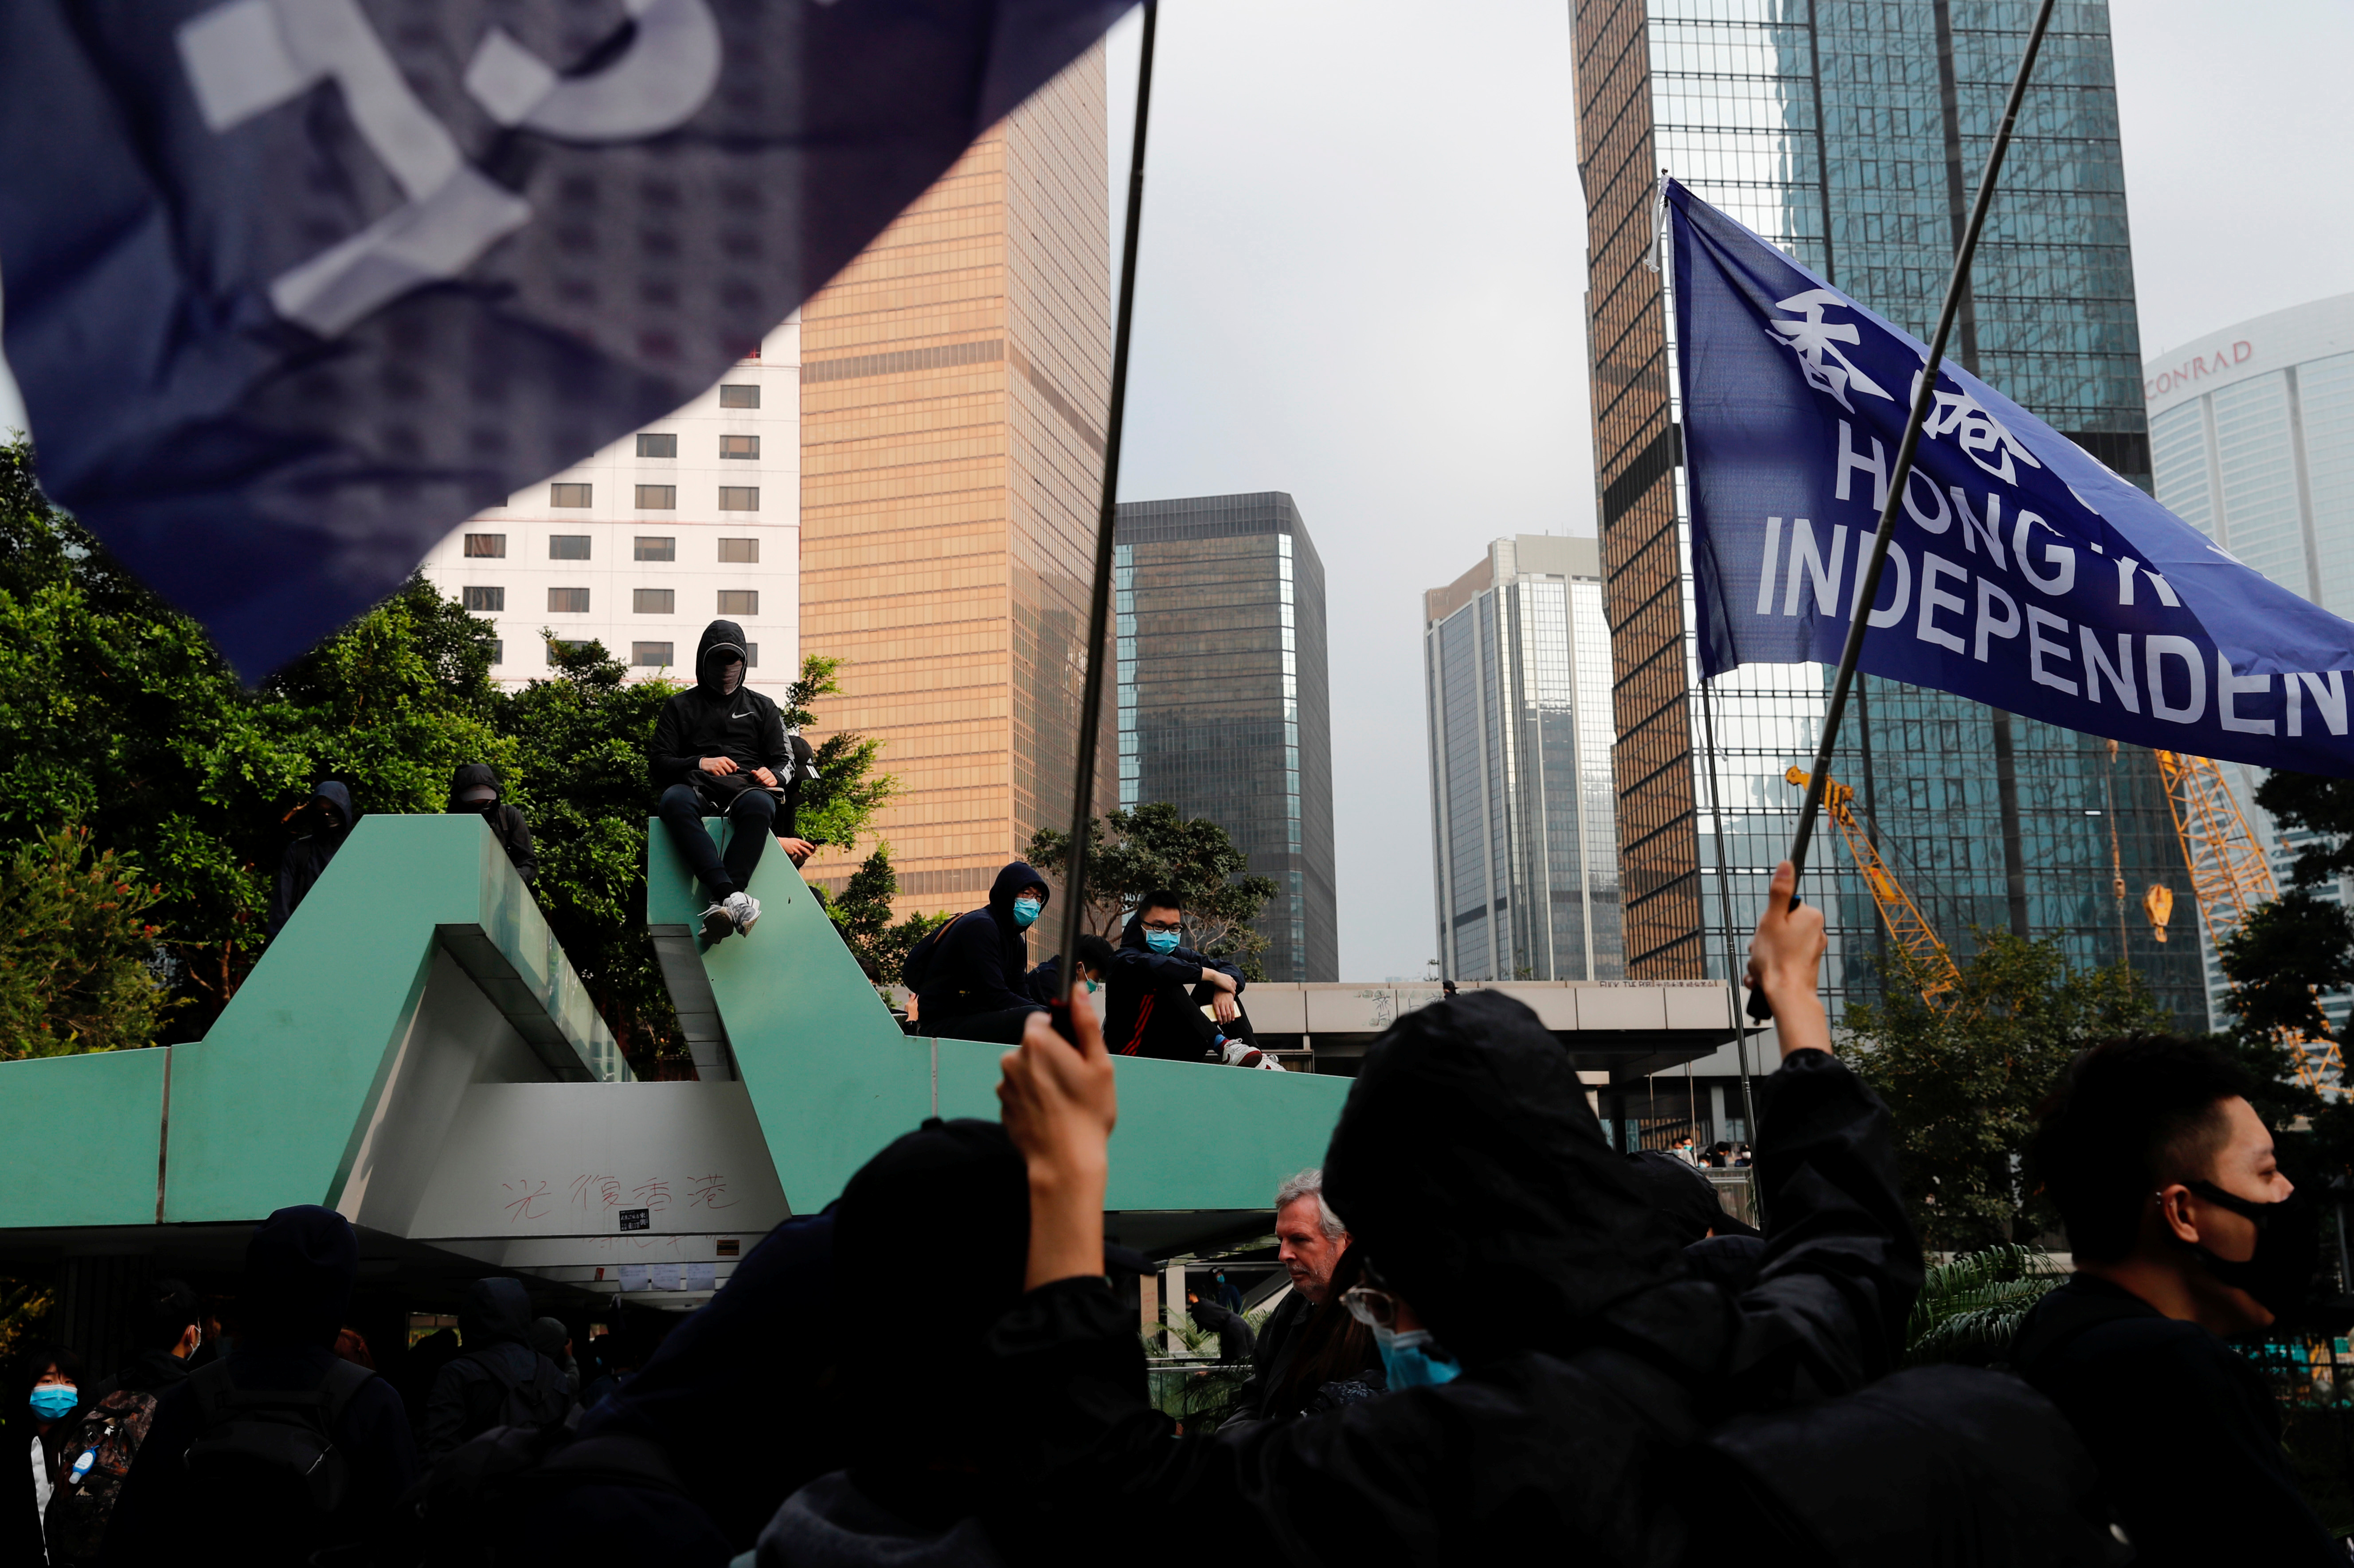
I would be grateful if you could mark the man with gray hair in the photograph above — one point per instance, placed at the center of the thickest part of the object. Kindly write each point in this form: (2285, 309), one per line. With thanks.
(1309, 1239)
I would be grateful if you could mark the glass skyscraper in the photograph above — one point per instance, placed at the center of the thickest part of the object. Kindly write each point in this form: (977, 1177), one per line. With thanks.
(1516, 659)
(1852, 135)
(1225, 704)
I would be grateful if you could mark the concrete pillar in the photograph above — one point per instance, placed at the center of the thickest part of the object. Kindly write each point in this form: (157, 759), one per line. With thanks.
(1148, 1303)
(1173, 1276)
(1716, 1113)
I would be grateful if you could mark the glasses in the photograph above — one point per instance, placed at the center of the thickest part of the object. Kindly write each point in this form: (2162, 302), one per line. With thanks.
(1371, 1305)
(1157, 925)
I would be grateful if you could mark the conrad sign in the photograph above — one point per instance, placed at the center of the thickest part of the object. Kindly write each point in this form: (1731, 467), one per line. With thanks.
(2197, 368)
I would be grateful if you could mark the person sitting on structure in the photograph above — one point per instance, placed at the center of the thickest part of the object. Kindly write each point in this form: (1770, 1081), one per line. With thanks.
(1159, 988)
(1046, 982)
(718, 749)
(320, 824)
(474, 790)
(972, 977)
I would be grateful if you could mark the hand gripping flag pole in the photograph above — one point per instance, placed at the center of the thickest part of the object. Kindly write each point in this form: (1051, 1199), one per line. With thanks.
(1923, 396)
(1075, 875)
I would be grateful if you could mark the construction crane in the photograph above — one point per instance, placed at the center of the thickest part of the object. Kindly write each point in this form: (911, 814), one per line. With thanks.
(2231, 877)
(1927, 954)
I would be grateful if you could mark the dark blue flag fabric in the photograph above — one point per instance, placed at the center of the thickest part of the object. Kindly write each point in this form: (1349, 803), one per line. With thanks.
(2022, 573)
(294, 286)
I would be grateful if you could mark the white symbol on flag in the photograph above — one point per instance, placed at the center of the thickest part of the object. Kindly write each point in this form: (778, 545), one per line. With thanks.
(1982, 437)
(1814, 341)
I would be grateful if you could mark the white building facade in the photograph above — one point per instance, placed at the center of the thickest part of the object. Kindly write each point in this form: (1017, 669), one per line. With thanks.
(696, 517)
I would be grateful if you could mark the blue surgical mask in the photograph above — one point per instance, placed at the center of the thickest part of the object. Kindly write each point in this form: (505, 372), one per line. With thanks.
(1414, 1360)
(1161, 941)
(1026, 909)
(55, 1401)
(1091, 987)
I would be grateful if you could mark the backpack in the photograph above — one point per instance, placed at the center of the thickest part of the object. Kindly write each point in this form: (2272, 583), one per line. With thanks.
(265, 1460)
(467, 1509)
(544, 1397)
(98, 1456)
(915, 969)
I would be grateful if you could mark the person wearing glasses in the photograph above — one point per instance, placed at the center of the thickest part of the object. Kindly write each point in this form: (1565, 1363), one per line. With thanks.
(1158, 986)
(1550, 1356)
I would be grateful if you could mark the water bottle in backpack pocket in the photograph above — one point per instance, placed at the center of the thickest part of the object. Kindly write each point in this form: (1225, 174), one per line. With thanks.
(97, 1456)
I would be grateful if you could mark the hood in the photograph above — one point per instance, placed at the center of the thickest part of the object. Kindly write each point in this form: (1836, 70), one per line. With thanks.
(1010, 884)
(722, 644)
(548, 1335)
(1470, 1170)
(1681, 1199)
(496, 1312)
(336, 795)
(471, 776)
(299, 1269)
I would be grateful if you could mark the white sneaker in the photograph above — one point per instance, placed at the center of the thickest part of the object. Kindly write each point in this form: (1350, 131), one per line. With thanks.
(1238, 1054)
(716, 924)
(743, 909)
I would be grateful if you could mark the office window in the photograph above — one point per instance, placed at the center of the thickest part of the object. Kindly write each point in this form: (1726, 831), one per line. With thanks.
(568, 547)
(737, 601)
(741, 551)
(739, 397)
(486, 547)
(735, 447)
(657, 446)
(654, 602)
(651, 656)
(567, 601)
(568, 495)
(555, 645)
(739, 498)
(653, 549)
(489, 598)
(657, 497)
(751, 655)
(498, 650)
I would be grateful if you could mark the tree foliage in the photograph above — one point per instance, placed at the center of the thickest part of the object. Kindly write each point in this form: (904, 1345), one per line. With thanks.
(838, 806)
(77, 952)
(1963, 1079)
(2281, 951)
(1132, 851)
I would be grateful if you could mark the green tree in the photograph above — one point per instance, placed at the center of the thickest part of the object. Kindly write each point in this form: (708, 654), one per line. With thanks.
(1963, 1079)
(2281, 951)
(1132, 851)
(862, 913)
(838, 806)
(78, 957)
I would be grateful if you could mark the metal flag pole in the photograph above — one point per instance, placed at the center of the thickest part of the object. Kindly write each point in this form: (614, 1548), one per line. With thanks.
(1083, 807)
(1923, 393)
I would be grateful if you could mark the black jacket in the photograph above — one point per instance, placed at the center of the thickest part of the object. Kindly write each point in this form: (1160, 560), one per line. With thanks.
(706, 720)
(1152, 995)
(512, 828)
(300, 867)
(980, 962)
(1471, 1170)
(471, 1393)
(1235, 1339)
(2185, 1431)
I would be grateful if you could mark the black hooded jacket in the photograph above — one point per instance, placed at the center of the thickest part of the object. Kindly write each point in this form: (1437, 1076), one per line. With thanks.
(1150, 995)
(980, 962)
(1469, 1167)
(512, 828)
(300, 867)
(708, 720)
(497, 1377)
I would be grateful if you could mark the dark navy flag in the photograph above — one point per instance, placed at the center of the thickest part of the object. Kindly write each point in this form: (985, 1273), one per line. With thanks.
(294, 286)
(2022, 574)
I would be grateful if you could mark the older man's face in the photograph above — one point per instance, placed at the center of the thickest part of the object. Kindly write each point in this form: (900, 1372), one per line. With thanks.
(1304, 1248)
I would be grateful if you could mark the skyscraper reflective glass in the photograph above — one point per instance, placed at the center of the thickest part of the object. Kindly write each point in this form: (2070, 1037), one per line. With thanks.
(1225, 708)
(1517, 667)
(1852, 135)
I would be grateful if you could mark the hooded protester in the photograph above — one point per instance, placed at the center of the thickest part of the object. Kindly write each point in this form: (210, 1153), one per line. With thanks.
(971, 976)
(1235, 1339)
(1158, 988)
(924, 1484)
(214, 1481)
(474, 790)
(1550, 1357)
(319, 825)
(720, 749)
(552, 1339)
(498, 1380)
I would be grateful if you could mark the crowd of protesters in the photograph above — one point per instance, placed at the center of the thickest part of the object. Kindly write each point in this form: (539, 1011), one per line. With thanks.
(1500, 1339)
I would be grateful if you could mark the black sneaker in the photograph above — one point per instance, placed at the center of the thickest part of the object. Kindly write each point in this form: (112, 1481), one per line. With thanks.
(718, 923)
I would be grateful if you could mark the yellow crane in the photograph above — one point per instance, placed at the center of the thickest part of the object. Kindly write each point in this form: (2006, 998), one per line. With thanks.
(2230, 878)
(1927, 954)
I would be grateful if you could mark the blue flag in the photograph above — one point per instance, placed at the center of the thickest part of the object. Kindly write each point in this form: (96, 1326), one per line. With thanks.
(2022, 573)
(294, 286)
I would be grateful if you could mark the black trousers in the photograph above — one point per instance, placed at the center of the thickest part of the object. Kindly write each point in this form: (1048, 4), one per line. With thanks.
(1003, 1028)
(749, 820)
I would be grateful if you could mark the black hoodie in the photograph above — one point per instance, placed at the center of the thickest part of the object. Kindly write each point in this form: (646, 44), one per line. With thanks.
(981, 960)
(300, 867)
(1469, 1168)
(498, 1376)
(513, 828)
(1151, 993)
(708, 720)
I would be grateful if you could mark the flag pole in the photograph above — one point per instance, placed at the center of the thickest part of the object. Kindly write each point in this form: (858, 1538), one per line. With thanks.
(1074, 874)
(1923, 393)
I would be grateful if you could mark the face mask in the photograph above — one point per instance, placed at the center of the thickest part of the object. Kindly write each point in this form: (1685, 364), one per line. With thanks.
(1161, 941)
(1091, 987)
(55, 1401)
(2288, 1245)
(1413, 1359)
(1026, 909)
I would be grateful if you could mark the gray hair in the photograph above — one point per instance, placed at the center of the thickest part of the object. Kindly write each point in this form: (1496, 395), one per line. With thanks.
(1309, 1183)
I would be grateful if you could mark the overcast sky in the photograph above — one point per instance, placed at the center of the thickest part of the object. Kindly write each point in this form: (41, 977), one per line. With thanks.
(1360, 283)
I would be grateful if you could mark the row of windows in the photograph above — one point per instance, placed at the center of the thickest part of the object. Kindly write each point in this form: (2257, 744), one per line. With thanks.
(665, 445)
(576, 547)
(642, 601)
(664, 497)
(645, 655)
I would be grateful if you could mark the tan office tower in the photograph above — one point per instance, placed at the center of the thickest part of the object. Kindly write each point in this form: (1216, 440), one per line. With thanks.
(954, 380)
